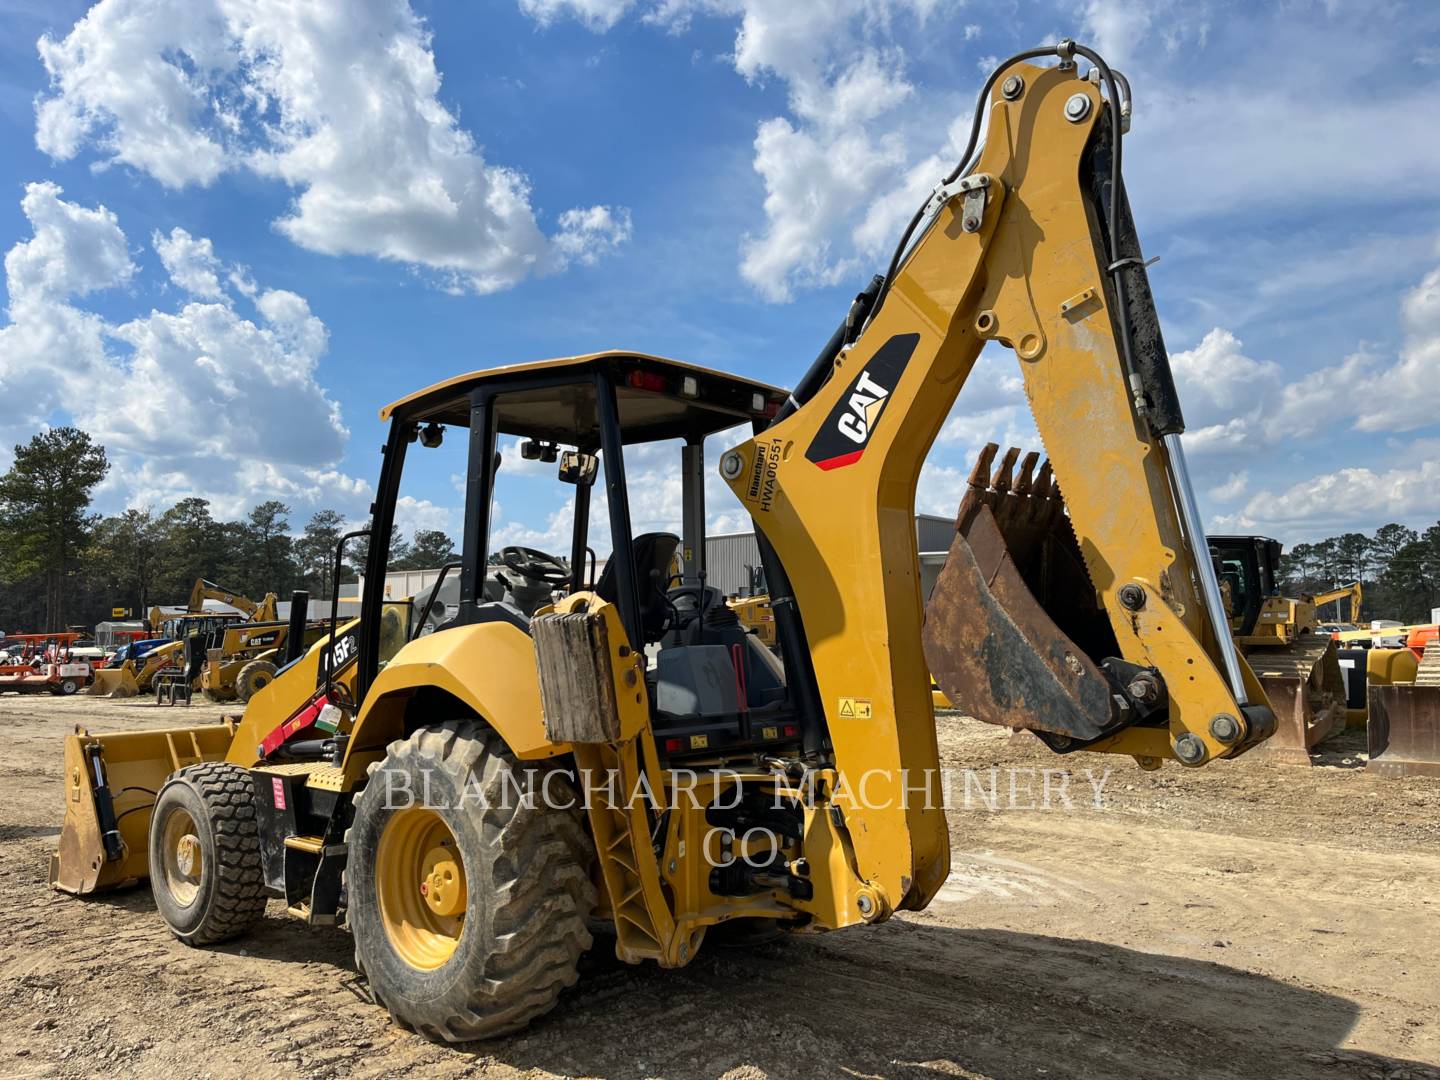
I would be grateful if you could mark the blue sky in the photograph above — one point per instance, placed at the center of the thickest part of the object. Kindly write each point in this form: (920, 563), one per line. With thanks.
(377, 194)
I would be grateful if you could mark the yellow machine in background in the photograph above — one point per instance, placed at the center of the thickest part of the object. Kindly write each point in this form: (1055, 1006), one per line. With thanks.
(1354, 592)
(756, 616)
(720, 784)
(1298, 666)
(133, 677)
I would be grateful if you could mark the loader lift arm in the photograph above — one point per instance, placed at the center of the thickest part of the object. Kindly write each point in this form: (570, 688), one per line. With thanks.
(1033, 248)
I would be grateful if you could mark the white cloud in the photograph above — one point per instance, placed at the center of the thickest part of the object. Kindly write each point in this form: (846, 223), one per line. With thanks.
(1347, 498)
(1233, 488)
(198, 401)
(191, 263)
(596, 14)
(414, 515)
(1217, 375)
(845, 141)
(341, 101)
(73, 250)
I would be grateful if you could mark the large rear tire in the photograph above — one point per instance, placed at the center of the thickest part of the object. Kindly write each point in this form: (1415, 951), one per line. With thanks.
(205, 868)
(469, 915)
(253, 678)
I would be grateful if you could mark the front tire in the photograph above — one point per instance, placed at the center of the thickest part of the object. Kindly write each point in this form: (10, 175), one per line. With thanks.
(68, 687)
(205, 868)
(469, 915)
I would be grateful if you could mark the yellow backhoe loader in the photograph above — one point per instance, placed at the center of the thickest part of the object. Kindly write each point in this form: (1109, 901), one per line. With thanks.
(470, 799)
(132, 677)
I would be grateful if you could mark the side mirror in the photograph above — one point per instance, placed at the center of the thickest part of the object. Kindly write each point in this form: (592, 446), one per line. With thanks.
(578, 469)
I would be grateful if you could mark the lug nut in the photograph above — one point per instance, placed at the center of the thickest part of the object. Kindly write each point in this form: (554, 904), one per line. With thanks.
(1012, 87)
(1225, 728)
(1132, 597)
(1189, 749)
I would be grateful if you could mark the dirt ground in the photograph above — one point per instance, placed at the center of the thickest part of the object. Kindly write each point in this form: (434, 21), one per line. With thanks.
(1245, 920)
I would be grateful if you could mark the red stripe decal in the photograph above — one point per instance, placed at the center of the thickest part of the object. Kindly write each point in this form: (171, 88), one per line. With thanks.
(841, 461)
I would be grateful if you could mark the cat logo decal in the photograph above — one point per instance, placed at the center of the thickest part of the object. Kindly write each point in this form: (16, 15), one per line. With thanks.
(846, 432)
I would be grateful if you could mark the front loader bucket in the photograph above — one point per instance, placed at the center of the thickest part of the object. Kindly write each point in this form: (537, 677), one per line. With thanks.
(1013, 625)
(110, 785)
(114, 683)
(1307, 693)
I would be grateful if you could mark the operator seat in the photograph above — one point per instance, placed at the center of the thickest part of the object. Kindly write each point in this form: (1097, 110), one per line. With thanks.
(654, 552)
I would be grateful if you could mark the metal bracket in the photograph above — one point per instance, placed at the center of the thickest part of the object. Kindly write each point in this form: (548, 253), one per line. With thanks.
(972, 210)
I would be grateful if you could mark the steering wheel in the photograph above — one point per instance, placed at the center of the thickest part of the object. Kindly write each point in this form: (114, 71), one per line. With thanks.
(535, 565)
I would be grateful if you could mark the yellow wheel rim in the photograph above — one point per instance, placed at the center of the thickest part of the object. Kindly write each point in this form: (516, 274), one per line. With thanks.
(180, 848)
(420, 881)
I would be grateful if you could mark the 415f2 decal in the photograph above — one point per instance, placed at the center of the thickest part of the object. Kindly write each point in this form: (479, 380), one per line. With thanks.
(846, 432)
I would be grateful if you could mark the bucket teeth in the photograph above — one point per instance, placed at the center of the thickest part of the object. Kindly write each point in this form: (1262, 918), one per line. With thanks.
(1044, 483)
(980, 474)
(1014, 488)
(1027, 474)
(1006, 471)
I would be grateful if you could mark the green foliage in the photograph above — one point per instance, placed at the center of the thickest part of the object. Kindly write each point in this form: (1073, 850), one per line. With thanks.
(62, 565)
(432, 548)
(1399, 567)
(44, 520)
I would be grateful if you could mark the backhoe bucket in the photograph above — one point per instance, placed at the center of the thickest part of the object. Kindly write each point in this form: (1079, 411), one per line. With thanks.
(114, 683)
(1404, 728)
(1013, 625)
(110, 787)
(1307, 693)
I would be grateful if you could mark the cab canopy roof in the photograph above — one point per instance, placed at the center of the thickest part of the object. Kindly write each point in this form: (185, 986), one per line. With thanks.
(554, 400)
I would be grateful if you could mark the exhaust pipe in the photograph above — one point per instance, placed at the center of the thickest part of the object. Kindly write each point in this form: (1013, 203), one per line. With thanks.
(299, 616)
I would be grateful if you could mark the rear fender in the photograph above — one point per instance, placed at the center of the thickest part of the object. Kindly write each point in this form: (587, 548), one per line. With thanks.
(489, 668)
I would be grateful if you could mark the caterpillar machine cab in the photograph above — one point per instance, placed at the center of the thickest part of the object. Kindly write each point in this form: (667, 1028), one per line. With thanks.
(677, 778)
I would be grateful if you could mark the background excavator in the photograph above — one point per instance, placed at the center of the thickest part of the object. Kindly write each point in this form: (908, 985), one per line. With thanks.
(206, 650)
(722, 786)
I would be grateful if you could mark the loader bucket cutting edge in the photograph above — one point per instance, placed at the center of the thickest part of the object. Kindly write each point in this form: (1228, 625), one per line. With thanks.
(132, 767)
(993, 624)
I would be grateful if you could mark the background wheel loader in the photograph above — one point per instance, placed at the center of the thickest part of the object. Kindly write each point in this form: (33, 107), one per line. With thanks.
(627, 753)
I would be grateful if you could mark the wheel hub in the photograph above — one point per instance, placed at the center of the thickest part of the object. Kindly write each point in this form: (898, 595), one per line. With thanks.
(443, 884)
(420, 883)
(187, 855)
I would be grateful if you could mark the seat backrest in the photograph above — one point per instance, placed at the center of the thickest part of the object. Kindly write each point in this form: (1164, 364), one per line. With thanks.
(653, 552)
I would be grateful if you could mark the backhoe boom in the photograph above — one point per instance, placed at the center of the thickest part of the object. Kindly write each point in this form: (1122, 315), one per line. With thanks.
(1018, 254)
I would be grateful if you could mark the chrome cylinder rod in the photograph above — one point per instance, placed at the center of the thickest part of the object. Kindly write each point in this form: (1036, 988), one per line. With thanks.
(1204, 567)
